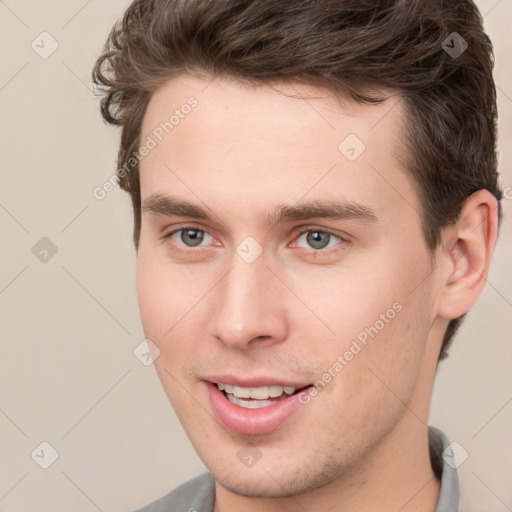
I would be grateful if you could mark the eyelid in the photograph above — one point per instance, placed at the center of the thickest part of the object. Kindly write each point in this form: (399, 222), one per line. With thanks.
(308, 229)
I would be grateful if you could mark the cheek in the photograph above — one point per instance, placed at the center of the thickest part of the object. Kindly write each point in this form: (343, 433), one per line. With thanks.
(163, 304)
(381, 320)
(350, 303)
(171, 300)
(161, 290)
(149, 292)
(159, 304)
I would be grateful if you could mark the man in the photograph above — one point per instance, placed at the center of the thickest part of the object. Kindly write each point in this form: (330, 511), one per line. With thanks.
(316, 205)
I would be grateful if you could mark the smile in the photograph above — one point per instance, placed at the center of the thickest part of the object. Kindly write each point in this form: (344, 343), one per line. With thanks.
(253, 409)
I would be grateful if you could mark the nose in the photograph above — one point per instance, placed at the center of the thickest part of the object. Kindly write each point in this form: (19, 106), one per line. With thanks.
(250, 306)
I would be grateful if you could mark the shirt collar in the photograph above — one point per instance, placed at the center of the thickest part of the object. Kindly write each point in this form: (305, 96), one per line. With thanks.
(441, 457)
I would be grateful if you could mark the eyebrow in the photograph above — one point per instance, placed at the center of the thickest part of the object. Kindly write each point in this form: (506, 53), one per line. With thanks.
(171, 206)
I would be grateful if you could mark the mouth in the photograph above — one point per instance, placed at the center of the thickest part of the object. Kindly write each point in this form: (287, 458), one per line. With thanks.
(253, 410)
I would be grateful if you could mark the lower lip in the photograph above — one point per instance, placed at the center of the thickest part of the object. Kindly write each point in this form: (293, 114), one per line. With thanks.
(251, 421)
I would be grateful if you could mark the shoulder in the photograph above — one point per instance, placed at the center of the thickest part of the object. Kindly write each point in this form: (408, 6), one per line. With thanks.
(195, 495)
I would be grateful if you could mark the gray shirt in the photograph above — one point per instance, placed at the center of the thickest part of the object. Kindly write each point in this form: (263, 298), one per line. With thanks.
(198, 494)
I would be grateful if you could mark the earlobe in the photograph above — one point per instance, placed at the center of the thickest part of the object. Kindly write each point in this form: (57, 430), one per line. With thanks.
(467, 253)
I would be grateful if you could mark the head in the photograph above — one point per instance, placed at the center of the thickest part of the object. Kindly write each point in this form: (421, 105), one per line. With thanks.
(280, 108)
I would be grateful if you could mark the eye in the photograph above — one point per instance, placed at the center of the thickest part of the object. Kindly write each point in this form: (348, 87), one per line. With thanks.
(318, 239)
(189, 236)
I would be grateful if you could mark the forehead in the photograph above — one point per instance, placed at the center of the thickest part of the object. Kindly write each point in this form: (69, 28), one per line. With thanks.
(271, 143)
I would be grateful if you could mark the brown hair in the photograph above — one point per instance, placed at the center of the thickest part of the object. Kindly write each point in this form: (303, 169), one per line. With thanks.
(354, 47)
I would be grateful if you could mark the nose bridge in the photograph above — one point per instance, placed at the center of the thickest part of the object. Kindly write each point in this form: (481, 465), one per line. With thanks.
(247, 301)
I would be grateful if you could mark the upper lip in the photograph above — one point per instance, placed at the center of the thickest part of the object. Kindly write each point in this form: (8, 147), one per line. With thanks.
(255, 382)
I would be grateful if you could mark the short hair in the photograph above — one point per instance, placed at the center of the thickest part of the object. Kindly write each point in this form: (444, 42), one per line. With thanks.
(433, 55)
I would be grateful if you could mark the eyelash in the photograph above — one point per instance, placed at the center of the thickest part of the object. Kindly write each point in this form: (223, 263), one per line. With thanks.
(314, 252)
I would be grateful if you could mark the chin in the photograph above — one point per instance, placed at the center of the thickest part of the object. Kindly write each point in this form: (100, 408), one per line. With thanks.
(260, 486)
(275, 482)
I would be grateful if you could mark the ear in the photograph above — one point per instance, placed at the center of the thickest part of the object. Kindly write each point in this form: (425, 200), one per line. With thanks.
(467, 252)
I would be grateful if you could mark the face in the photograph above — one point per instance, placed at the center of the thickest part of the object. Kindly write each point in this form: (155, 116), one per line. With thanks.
(281, 258)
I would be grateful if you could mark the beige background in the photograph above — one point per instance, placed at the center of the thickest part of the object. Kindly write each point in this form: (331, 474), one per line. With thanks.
(69, 326)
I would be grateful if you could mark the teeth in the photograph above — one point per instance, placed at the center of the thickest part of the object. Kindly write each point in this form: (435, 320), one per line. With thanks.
(260, 393)
(275, 391)
(249, 404)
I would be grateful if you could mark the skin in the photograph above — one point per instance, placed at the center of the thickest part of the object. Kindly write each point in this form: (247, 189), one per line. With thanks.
(362, 440)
